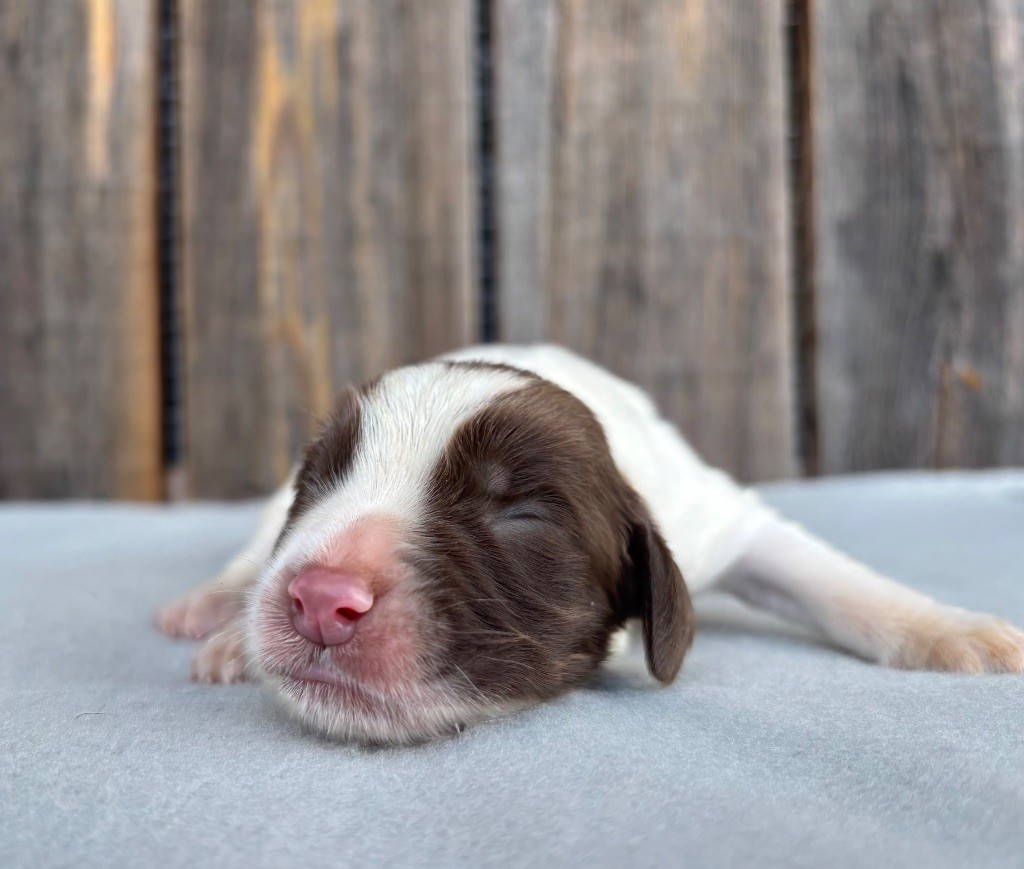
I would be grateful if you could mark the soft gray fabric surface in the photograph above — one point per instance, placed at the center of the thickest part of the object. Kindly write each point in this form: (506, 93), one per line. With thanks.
(768, 751)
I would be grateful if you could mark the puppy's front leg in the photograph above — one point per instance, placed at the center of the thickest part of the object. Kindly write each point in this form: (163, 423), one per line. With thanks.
(222, 658)
(788, 571)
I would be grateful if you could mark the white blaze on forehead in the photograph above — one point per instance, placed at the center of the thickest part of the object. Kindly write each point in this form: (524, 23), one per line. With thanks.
(406, 421)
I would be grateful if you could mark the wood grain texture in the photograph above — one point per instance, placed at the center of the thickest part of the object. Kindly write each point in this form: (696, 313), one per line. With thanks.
(328, 214)
(79, 340)
(643, 210)
(919, 121)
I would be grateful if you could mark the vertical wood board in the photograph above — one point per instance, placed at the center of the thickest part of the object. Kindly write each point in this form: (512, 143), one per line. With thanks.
(643, 206)
(79, 331)
(328, 214)
(919, 126)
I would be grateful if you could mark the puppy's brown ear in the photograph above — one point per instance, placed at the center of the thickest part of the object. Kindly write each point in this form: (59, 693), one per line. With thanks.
(661, 598)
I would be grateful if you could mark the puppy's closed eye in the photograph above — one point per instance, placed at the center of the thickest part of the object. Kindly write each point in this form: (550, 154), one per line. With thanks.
(511, 503)
(526, 512)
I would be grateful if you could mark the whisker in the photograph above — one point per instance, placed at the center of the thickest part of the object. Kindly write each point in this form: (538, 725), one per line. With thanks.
(470, 600)
(472, 684)
(506, 661)
(211, 592)
(234, 629)
(512, 635)
(485, 632)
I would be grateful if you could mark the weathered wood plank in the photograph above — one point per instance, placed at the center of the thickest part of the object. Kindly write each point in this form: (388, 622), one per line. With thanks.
(79, 340)
(919, 123)
(643, 206)
(328, 214)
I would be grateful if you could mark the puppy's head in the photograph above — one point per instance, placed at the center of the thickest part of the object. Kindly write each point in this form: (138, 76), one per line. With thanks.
(460, 545)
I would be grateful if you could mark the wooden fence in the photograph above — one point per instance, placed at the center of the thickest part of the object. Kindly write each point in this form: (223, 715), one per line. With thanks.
(799, 224)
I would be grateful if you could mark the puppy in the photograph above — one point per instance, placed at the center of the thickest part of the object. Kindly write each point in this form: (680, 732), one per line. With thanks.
(466, 535)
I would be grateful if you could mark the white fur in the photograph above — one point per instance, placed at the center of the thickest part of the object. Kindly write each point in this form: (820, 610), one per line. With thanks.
(406, 421)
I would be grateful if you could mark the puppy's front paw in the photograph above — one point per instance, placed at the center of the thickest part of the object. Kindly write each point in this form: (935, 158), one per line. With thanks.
(956, 641)
(204, 610)
(221, 659)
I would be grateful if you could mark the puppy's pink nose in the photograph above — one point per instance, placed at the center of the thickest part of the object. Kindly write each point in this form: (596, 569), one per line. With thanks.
(326, 605)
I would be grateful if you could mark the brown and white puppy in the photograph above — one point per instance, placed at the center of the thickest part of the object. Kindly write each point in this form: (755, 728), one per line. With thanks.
(466, 536)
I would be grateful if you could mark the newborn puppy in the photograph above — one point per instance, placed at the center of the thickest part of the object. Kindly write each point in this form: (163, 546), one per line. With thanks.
(466, 535)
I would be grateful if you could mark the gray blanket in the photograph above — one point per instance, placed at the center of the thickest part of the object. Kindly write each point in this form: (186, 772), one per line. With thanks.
(769, 750)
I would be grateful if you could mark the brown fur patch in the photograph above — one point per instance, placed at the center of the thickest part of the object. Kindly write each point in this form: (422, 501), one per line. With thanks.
(327, 459)
(535, 550)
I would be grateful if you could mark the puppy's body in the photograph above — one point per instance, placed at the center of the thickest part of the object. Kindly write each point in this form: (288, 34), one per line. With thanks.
(499, 514)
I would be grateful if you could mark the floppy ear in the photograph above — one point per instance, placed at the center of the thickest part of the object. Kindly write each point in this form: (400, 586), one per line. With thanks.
(662, 598)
